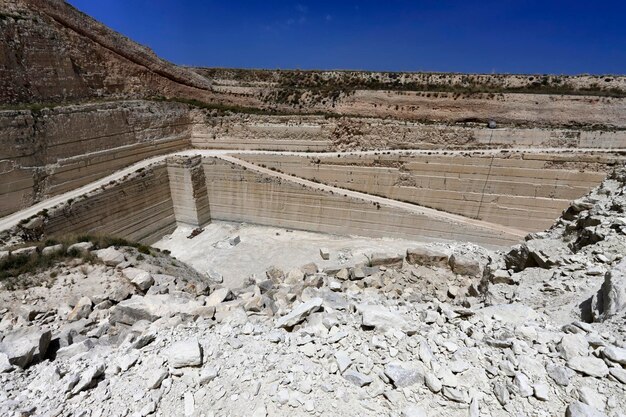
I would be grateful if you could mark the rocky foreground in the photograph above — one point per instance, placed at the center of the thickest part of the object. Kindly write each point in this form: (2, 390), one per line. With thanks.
(443, 330)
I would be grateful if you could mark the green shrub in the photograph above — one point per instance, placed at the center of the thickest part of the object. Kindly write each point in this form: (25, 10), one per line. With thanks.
(144, 249)
(16, 265)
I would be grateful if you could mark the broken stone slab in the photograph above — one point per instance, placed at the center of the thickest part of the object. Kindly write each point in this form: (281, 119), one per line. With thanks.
(155, 378)
(382, 319)
(81, 310)
(560, 374)
(405, 374)
(343, 360)
(357, 378)
(522, 385)
(386, 259)
(324, 254)
(144, 339)
(332, 300)
(611, 298)
(465, 265)
(501, 393)
(547, 252)
(591, 397)
(309, 269)
(294, 276)
(22, 345)
(185, 353)
(152, 307)
(573, 345)
(110, 256)
(456, 395)
(27, 251)
(357, 274)
(275, 274)
(619, 374)
(502, 276)
(579, 409)
(342, 274)
(89, 378)
(298, 314)
(80, 247)
(127, 361)
(433, 383)
(615, 354)
(139, 278)
(51, 250)
(207, 375)
(75, 349)
(513, 314)
(5, 365)
(428, 256)
(589, 366)
(542, 392)
(413, 411)
(218, 296)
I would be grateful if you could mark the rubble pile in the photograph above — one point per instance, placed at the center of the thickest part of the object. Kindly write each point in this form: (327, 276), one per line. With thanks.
(441, 330)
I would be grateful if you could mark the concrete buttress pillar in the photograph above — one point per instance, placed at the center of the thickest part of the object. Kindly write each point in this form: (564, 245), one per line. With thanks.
(188, 188)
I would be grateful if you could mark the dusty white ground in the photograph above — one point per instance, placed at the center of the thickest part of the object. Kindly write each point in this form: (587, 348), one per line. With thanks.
(262, 247)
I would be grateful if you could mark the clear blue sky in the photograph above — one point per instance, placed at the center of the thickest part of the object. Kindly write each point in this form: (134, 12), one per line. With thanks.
(513, 36)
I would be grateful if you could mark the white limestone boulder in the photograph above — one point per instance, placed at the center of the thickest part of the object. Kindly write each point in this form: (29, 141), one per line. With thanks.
(185, 353)
(428, 256)
(141, 279)
(22, 345)
(110, 256)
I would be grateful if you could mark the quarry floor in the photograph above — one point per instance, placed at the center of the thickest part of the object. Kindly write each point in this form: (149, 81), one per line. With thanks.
(262, 246)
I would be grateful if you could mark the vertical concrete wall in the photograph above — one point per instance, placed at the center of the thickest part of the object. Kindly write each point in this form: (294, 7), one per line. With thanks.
(188, 189)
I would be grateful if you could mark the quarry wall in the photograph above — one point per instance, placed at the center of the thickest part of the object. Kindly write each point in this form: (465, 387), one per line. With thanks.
(526, 191)
(50, 151)
(241, 195)
(138, 208)
(319, 133)
(188, 189)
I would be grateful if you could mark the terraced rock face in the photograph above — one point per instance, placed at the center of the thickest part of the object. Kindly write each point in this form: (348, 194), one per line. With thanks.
(513, 99)
(51, 151)
(527, 191)
(319, 133)
(54, 53)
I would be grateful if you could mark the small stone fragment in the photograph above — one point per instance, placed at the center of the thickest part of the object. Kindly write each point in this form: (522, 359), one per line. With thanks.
(298, 314)
(404, 374)
(357, 378)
